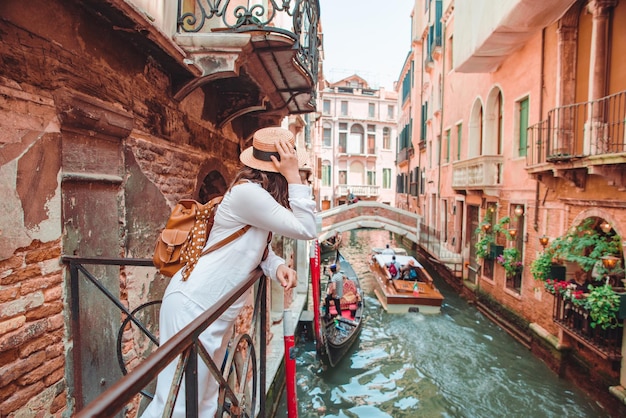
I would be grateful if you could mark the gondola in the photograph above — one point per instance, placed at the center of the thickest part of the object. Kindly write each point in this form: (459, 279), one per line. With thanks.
(340, 333)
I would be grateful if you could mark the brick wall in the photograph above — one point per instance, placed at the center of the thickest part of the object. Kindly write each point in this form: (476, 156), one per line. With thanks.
(32, 330)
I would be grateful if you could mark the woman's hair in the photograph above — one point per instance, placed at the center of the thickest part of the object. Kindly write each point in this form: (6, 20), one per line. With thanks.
(274, 183)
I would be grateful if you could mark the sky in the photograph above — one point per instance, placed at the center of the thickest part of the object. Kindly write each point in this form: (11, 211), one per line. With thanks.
(371, 38)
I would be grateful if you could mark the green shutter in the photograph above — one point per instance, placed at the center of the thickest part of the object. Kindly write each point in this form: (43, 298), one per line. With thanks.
(523, 127)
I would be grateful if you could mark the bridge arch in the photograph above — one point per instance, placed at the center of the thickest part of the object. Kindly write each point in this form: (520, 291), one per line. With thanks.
(366, 214)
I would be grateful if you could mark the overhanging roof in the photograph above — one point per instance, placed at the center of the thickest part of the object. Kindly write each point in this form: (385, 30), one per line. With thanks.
(486, 31)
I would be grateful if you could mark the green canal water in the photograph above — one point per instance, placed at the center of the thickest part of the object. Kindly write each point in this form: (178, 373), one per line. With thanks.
(456, 364)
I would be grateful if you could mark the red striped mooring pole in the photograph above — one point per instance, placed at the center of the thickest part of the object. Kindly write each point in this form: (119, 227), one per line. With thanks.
(290, 365)
(315, 290)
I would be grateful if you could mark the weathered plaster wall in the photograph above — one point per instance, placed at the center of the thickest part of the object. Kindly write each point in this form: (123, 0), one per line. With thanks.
(94, 152)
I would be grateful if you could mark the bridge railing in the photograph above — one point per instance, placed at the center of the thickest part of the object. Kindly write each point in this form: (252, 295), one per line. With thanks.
(430, 240)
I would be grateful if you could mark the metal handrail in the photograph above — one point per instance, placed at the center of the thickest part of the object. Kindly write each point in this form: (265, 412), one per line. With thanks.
(580, 130)
(184, 344)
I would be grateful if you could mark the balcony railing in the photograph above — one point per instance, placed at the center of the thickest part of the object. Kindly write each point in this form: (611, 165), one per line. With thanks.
(580, 130)
(297, 19)
(480, 172)
(241, 379)
(404, 154)
(576, 322)
(358, 191)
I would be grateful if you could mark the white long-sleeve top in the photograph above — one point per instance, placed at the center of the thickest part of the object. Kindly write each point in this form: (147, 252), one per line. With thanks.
(222, 270)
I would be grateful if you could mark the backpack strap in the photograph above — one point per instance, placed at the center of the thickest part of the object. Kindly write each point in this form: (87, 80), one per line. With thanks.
(226, 240)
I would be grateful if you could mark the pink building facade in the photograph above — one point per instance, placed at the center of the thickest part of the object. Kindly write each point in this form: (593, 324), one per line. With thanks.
(356, 145)
(517, 142)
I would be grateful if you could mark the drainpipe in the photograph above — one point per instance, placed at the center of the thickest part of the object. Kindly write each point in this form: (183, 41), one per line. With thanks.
(541, 78)
(421, 86)
(408, 178)
(443, 83)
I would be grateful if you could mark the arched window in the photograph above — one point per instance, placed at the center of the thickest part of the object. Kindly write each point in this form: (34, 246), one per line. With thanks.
(356, 175)
(355, 141)
(386, 138)
(475, 143)
(492, 144)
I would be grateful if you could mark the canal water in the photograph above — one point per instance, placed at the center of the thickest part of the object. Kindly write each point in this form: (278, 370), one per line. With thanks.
(456, 364)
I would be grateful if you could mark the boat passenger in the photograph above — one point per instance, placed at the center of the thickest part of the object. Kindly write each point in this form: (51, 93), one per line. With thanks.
(388, 250)
(393, 267)
(409, 271)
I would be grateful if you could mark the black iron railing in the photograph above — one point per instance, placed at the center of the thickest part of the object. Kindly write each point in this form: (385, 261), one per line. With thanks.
(580, 130)
(241, 379)
(576, 322)
(297, 19)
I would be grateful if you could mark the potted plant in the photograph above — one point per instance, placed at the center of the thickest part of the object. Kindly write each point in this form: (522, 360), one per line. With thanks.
(486, 246)
(510, 259)
(603, 305)
(483, 245)
(585, 245)
(540, 267)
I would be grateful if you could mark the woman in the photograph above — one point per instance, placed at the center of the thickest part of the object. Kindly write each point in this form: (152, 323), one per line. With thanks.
(267, 194)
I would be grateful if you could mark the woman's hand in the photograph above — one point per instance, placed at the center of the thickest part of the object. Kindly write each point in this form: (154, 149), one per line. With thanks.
(287, 277)
(288, 164)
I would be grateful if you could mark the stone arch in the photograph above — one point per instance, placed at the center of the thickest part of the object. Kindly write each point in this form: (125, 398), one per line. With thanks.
(492, 144)
(475, 129)
(602, 214)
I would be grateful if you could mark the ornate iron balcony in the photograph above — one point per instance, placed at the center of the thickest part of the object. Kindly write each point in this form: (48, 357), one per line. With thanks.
(576, 322)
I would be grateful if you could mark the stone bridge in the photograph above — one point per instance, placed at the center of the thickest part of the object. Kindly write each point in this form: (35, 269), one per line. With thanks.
(365, 214)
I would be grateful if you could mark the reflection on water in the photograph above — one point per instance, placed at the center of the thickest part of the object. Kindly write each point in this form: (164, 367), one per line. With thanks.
(457, 364)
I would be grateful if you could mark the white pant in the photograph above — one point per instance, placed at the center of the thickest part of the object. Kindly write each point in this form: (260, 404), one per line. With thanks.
(177, 311)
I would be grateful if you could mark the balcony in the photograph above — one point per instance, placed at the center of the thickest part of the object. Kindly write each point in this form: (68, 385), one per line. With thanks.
(404, 155)
(367, 153)
(576, 323)
(581, 139)
(255, 61)
(359, 191)
(478, 173)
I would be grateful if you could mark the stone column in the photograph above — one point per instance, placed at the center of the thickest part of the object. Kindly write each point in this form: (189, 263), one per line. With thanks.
(598, 68)
(567, 34)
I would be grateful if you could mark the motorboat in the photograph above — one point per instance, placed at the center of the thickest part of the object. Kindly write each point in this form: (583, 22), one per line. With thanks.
(413, 291)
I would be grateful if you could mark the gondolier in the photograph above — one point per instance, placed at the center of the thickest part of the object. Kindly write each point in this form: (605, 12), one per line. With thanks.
(335, 290)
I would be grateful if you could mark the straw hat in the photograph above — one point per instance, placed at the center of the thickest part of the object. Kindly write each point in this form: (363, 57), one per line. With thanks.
(264, 145)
